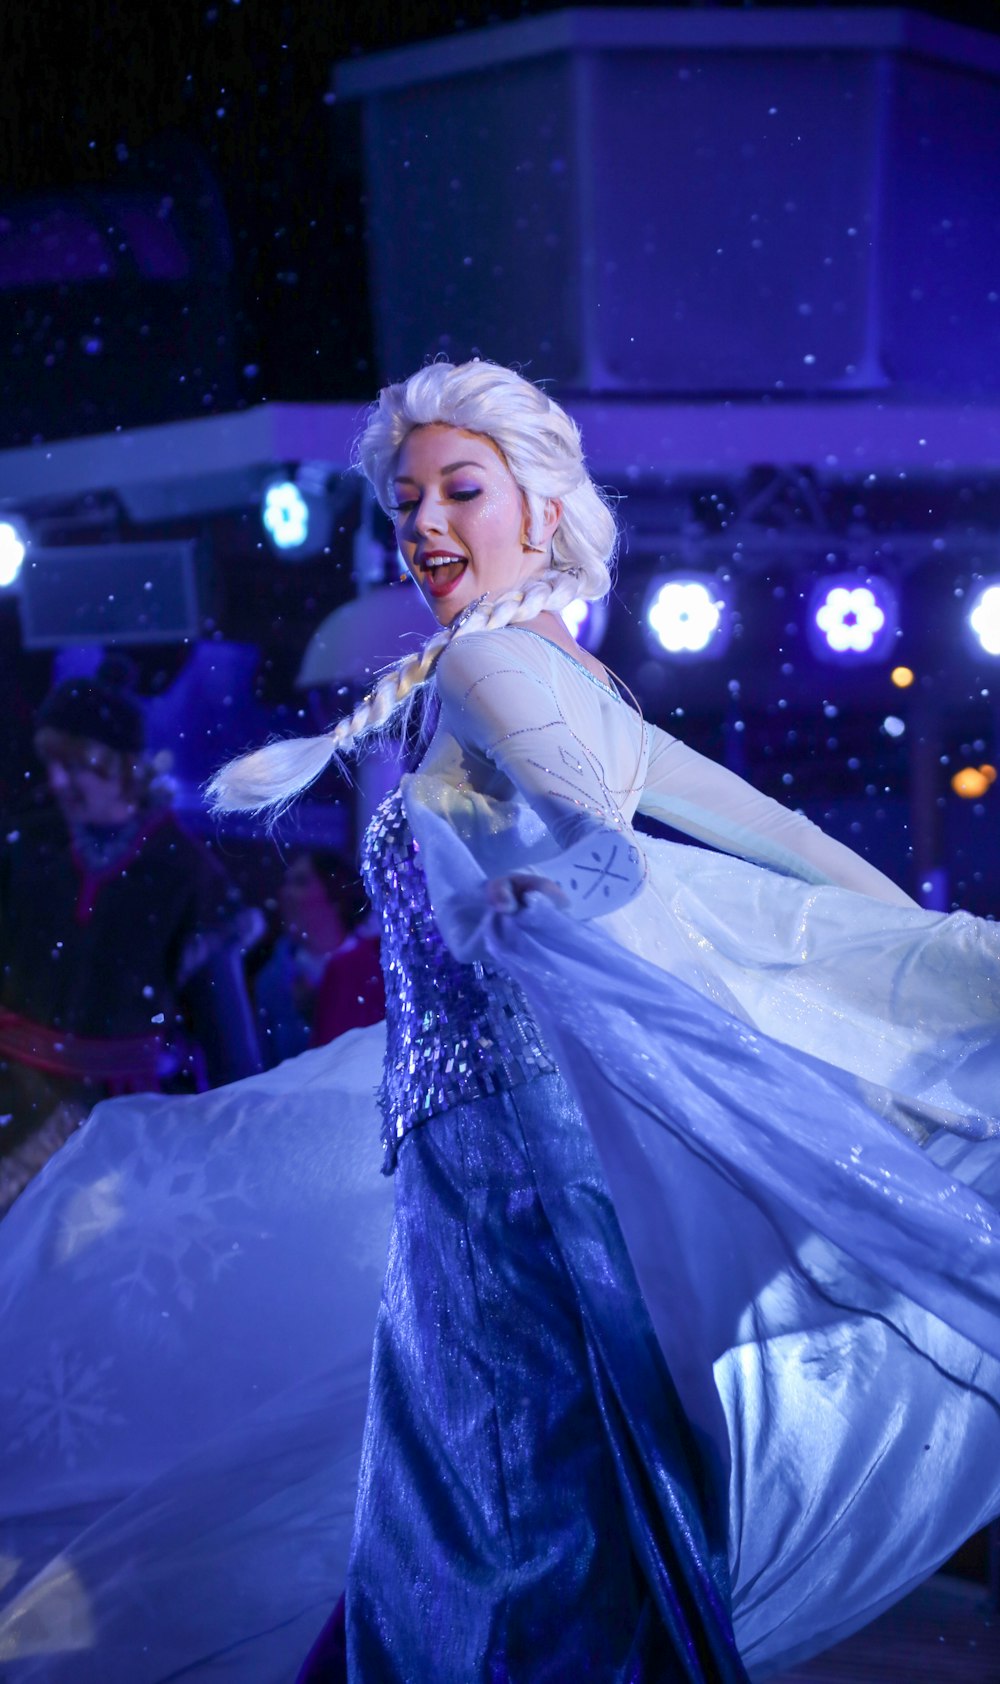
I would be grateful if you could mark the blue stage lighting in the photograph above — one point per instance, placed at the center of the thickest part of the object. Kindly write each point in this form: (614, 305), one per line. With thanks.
(853, 618)
(688, 615)
(587, 621)
(285, 514)
(984, 619)
(13, 544)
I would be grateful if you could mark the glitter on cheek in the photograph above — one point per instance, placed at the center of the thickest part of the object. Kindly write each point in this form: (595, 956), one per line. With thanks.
(454, 1032)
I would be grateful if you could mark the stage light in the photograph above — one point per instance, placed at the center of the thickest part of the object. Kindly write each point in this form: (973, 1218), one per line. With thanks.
(902, 677)
(852, 618)
(972, 782)
(688, 615)
(985, 619)
(575, 616)
(893, 726)
(13, 544)
(586, 622)
(285, 514)
(297, 513)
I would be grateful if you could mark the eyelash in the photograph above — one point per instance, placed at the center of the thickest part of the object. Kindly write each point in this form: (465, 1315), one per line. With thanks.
(411, 502)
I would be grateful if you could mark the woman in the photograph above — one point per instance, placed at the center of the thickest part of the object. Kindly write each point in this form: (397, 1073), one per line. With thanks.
(537, 766)
(581, 1459)
(323, 976)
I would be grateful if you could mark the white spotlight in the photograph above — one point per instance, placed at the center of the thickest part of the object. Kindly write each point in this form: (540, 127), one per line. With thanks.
(985, 619)
(853, 618)
(285, 514)
(13, 544)
(297, 513)
(586, 622)
(687, 615)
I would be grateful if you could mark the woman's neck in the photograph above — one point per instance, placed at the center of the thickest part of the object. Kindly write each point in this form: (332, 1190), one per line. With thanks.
(554, 628)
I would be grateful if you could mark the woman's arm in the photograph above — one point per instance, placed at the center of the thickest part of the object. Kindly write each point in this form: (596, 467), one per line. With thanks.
(701, 798)
(498, 705)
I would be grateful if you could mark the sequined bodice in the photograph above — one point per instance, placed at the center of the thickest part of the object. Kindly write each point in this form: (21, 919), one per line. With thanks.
(454, 1032)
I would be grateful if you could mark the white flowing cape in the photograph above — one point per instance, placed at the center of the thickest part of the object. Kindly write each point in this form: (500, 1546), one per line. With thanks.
(792, 1088)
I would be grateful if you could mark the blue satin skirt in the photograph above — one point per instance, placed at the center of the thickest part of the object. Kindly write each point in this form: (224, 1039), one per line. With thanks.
(532, 1505)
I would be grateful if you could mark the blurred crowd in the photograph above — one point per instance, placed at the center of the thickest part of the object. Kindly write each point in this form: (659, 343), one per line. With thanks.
(129, 959)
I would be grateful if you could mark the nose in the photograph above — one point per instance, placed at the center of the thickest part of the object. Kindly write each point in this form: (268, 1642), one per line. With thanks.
(429, 516)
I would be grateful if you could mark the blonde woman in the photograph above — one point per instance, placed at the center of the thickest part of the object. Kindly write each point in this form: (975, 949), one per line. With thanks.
(534, 1502)
(687, 1354)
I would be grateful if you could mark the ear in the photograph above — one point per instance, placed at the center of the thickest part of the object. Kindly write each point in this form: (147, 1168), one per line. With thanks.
(540, 538)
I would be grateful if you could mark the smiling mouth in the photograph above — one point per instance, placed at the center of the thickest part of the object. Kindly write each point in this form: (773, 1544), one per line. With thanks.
(443, 573)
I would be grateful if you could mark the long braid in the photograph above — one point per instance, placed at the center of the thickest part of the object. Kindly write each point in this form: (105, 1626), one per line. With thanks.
(267, 779)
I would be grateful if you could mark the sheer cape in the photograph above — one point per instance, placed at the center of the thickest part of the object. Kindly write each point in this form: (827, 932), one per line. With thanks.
(791, 1085)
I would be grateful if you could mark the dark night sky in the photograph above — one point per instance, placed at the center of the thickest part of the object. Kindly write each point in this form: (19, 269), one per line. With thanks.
(93, 88)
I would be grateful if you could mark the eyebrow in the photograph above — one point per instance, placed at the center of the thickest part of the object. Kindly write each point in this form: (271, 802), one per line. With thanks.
(399, 479)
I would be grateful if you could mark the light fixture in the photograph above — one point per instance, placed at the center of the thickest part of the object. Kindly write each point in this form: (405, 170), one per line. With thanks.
(984, 619)
(13, 544)
(853, 618)
(296, 512)
(285, 514)
(586, 622)
(688, 615)
(971, 782)
(902, 677)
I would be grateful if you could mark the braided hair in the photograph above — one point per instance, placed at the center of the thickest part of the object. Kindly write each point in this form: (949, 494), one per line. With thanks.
(541, 446)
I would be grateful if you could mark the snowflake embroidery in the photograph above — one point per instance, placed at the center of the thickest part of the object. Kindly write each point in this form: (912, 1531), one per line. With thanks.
(63, 1407)
(176, 1227)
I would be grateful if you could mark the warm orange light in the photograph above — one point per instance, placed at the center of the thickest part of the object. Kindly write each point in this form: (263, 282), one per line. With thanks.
(971, 782)
(989, 773)
(902, 677)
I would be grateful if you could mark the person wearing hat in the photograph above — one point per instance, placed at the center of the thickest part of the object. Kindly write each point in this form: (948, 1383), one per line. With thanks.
(118, 930)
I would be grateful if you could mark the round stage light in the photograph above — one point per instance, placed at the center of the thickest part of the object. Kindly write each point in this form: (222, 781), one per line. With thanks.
(971, 782)
(575, 616)
(586, 622)
(13, 544)
(853, 617)
(850, 619)
(985, 619)
(902, 677)
(687, 615)
(285, 515)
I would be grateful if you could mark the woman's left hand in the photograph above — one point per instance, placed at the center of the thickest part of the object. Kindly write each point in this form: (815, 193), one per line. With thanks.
(510, 893)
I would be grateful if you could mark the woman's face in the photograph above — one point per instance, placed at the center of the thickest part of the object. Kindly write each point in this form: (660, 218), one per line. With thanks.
(302, 898)
(461, 520)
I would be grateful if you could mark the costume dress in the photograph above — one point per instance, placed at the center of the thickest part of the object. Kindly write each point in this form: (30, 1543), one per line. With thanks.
(788, 1076)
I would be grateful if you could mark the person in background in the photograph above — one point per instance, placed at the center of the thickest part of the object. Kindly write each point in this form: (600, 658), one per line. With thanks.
(118, 933)
(324, 975)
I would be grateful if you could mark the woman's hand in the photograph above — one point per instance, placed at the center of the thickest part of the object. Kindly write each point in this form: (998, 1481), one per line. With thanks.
(510, 893)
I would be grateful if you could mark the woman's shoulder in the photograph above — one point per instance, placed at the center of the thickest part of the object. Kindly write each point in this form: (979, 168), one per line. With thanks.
(474, 656)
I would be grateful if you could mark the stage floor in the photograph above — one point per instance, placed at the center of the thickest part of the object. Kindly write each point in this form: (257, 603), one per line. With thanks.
(946, 1632)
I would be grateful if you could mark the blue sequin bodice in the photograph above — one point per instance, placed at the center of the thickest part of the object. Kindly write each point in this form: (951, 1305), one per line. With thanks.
(454, 1032)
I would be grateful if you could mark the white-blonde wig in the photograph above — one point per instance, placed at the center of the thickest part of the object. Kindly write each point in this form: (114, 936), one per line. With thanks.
(541, 446)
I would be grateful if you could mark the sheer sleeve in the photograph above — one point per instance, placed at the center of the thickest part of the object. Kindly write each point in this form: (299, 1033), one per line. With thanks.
(696, 795)
(502, 709)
